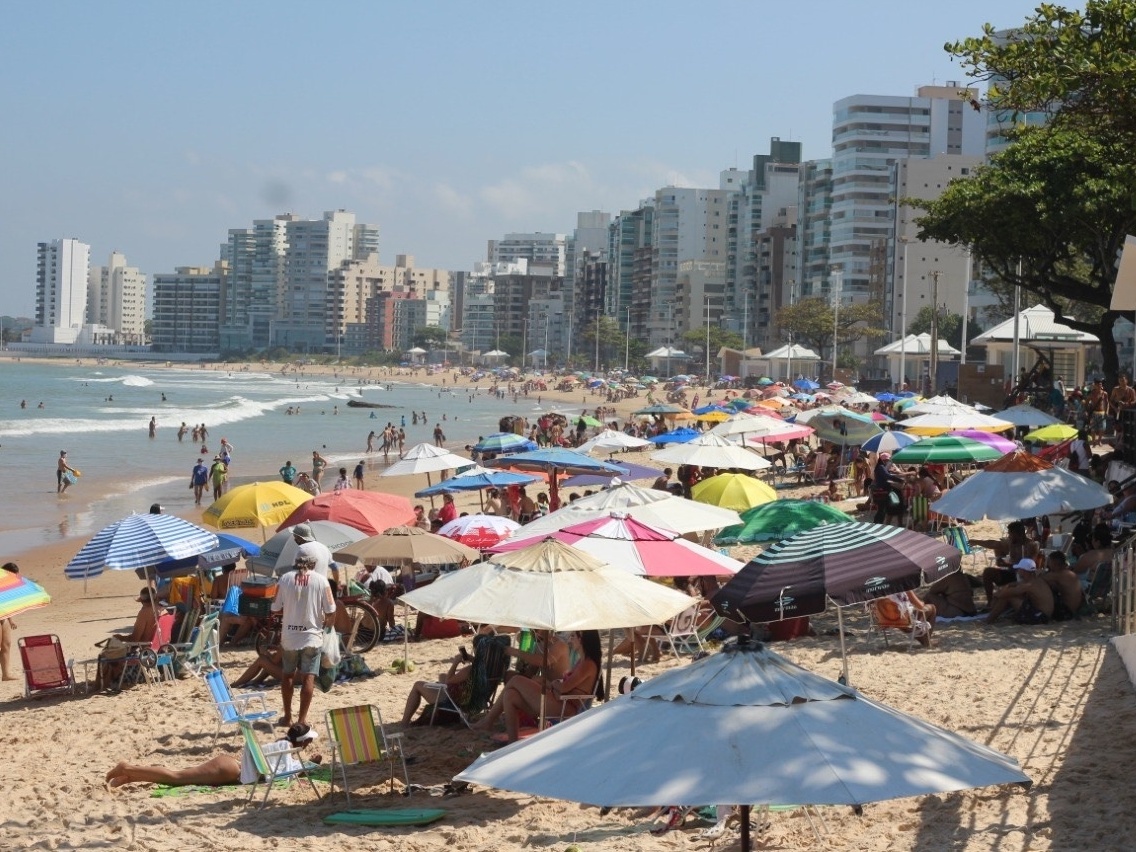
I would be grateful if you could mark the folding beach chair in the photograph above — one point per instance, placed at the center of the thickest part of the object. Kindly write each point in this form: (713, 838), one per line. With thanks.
(153, 660)
(45, 670)
(487, 670)
(245, 707)
(680, 634)
(273, 767)
(957, 537)
(357, 737)
(203, 651)
(896, 612)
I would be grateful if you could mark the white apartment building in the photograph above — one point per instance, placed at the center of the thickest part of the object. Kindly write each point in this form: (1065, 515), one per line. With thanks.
(116, 299)
(536, 248)
(187, 309)
(61, 290)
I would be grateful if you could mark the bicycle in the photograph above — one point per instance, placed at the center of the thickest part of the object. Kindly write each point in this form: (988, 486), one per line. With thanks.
(360, 636)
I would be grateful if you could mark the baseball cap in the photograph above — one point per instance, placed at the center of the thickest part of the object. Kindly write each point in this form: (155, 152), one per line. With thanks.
(1025, 564)
(303, 532)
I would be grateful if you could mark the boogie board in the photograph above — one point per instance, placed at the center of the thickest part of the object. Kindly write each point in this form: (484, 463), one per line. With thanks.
(387, 816)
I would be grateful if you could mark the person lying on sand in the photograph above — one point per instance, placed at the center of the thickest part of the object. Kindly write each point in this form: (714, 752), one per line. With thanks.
(219, 770)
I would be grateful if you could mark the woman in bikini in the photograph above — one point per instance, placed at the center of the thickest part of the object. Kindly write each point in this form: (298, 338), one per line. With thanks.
(522, 695)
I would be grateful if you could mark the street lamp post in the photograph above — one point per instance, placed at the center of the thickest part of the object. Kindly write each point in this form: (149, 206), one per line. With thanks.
(965, 304)
(707, 340)
(837, 287)
(903, 320)
(627, 340)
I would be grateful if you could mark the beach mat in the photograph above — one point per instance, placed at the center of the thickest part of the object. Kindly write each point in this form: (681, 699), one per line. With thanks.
(386, 816)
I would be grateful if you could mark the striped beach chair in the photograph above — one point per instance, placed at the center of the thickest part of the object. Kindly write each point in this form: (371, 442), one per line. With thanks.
(274, 767)
(357, 737)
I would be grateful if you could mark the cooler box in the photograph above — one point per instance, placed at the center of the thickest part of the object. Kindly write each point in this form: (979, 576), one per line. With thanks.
(253, 589)
(256, 607)
(440, 628)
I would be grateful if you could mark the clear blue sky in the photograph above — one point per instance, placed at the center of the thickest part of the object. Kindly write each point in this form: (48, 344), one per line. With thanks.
(153, 128)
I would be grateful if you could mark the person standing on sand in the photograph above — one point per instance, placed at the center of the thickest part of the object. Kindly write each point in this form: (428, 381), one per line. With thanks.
(288, 472)
(217, 474)
(61, 467)
(198, 479)
(7, 628)
(304, 598)
(359, 475)
(319, 463)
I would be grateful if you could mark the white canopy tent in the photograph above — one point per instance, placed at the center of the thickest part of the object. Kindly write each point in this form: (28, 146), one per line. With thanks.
(792, 360)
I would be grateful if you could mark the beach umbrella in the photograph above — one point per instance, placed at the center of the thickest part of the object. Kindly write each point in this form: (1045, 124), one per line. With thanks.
(676, 436)
(888, 442)
(839, 425)
(18, 594)
(139, 541)
(479, 531)
(504, 442)
(880, 417)
(368, 511)
(230, 548)
(946, 449)
(257, 504)
(628, 472)
(807, 385)
(1019, 485)
(711, 451)
(630, 545)
(768, 733)
(992, 439)
(662, 409)
(1053, 434)
(780, 519)
(554, 461)
(610, 439)
(427, 459)
(737, 491)
(941, 404)
(407, 545)
(1027, 416)
(704, 410)
(846, 563)
(884, 396)
(278, 554)
(477, 479)
(939, 424)
(654, 508)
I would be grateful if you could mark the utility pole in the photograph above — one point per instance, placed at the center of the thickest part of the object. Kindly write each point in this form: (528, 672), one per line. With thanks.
(627, 340)
(934, 367)
(966, 304)
(708, 340)
(596, 330)
(837, 287)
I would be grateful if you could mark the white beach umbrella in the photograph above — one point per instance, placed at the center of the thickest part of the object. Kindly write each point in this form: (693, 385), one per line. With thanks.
(941, 404)
(753, 426)
(1027, 416)
(610, 439)
(768, 733)
(938, 423)
(711, 451)
(1019, 485)
(426, 458)
(651, 507)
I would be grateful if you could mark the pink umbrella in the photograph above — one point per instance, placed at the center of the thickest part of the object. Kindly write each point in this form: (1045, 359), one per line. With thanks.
(1002, 445)
(630, 545)
(790, 433)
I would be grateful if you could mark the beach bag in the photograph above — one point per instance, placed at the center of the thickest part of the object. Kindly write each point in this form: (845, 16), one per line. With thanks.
(331, 654)
(232, 603)
(113, 648)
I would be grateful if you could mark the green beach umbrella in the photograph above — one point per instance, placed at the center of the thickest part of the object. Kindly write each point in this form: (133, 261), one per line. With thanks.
(780, 519)
(946, 449)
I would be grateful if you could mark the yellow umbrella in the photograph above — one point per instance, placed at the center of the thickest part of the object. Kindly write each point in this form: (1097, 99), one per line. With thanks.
(735, 491)
(709, 417)
(1053, 434)
(257, 504)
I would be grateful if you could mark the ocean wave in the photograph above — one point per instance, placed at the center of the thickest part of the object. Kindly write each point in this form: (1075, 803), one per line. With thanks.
(213, 415)
(131, 381)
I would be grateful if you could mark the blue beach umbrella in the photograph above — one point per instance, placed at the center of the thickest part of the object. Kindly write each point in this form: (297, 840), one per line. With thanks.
(477, 482)
(676, 436)
(628, 473)
(139, 541)
(504, 442)
(884, 396)
(713, 409)
(888, 442)
(806, 385)
(553, 461)
(230, 548)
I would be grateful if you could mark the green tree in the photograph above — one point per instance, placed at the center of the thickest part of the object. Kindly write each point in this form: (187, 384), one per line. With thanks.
(811, 322)
(511, 343)
(1059, 199)
(611, 343)
(695, 340)
(430, 337)
(950, 326)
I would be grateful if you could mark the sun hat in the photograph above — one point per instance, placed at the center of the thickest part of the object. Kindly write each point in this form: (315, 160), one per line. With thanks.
(303, 532)
(1025, 564)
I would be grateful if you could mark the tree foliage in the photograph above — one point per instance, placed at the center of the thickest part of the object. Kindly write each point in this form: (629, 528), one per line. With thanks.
(430, 337)
(950, 326)
(695, 340)
(811, 322)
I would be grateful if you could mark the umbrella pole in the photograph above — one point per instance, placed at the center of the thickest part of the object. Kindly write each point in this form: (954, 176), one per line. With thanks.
(843, 649)
(610, 654)
(746, 843)
(428, 484)
(543, 681)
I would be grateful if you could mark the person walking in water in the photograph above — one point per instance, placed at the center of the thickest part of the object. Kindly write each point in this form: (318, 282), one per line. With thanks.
(64, 473)
(153, 426)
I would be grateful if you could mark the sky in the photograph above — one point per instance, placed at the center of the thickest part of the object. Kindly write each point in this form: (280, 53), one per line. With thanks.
(154, 128)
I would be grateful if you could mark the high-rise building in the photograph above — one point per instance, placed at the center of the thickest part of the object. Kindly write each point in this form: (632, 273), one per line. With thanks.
(629, 259)
(255, 258)
(116, 298)
(537, 248)
(585, 249)
(61, 290)
(187, 309)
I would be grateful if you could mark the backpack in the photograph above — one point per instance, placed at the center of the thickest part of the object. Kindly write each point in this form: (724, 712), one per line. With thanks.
(1029, 614)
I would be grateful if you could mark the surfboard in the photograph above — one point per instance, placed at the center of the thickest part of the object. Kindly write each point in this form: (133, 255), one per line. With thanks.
(386, 816)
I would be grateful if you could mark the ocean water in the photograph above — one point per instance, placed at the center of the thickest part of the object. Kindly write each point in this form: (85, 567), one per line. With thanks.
(100, 415)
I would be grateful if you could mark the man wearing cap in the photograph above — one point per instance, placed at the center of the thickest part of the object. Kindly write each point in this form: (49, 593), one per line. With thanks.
(304, 597)
(317, 551)
(198, 479)
(1011, 550)
(1029, 586)
(217, 474)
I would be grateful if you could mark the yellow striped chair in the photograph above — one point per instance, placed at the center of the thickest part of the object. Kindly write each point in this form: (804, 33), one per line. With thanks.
(357, 737)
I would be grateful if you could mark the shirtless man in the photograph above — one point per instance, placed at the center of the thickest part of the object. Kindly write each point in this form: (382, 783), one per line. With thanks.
(1101, 552)
(1065, 585)
(1029, 586)
(61, 467)
(1010, 551)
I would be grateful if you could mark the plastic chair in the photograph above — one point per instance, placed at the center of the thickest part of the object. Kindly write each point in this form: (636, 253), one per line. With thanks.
(357, 737)
(235, 709)
(681, 633)
(272, 767)
(46, 672)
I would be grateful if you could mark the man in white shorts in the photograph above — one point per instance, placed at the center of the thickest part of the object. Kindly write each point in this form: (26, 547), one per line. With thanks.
(304, 597)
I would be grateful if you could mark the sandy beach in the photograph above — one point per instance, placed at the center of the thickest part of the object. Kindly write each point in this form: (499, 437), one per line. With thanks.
(1056, 697)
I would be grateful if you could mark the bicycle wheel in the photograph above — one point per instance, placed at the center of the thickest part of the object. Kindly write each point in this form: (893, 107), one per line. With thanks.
(364, 628)
(267, 638)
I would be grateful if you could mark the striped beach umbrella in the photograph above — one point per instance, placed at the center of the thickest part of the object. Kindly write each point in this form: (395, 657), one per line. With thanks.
(504, 442)
(888, 442)
(139, 541)
(779, 520)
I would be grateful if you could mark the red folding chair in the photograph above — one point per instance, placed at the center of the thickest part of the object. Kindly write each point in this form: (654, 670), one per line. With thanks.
(46, 671)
